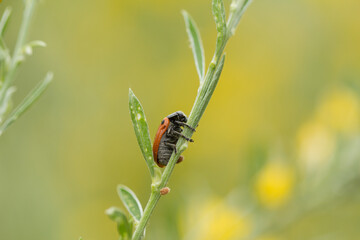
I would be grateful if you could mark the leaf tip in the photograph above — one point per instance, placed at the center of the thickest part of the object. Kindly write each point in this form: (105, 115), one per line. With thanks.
(110, 211)
(184, 13)
(49, 77)
(131, 94)
(120, 187)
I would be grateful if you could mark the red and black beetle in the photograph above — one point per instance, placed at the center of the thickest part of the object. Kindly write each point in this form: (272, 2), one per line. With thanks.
(167, 136)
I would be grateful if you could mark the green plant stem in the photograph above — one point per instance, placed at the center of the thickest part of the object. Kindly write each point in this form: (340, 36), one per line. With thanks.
(150, 206)
(203, 97)
(28, 12)
(197, 111)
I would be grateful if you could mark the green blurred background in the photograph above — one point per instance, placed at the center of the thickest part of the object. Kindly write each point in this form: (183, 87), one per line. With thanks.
(61, 162)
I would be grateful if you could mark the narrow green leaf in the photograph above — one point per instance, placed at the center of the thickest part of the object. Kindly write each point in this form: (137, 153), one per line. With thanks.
(196, 44)
(141, 130)
(237, 10)
(130, 201)
(27, 102)
(124, 227)
(4, 20)
(218, 9)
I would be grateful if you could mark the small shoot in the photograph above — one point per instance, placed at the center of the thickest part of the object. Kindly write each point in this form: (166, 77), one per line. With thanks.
(131, 202)
(196, 45)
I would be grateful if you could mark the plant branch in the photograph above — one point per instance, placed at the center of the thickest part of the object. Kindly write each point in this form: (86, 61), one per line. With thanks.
(27, 102)
(17, 54)
(10, 63)
(203, 97)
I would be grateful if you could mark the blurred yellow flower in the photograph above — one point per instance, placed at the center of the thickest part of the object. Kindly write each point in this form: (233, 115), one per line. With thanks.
(340, 110)
(316, 145)
(214, 220)
(274, 184)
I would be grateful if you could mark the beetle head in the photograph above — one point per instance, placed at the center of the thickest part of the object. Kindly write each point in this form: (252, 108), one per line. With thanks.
(177, 116)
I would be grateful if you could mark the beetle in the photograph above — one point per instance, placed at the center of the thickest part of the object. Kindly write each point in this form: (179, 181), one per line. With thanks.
(167, 136)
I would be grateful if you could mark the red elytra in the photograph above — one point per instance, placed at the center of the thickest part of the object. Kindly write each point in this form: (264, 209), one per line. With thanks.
(160, 132)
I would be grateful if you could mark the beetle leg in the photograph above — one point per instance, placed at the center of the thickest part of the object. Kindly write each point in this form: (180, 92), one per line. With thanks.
(182, 135)
(185, 124)
(173, 146)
